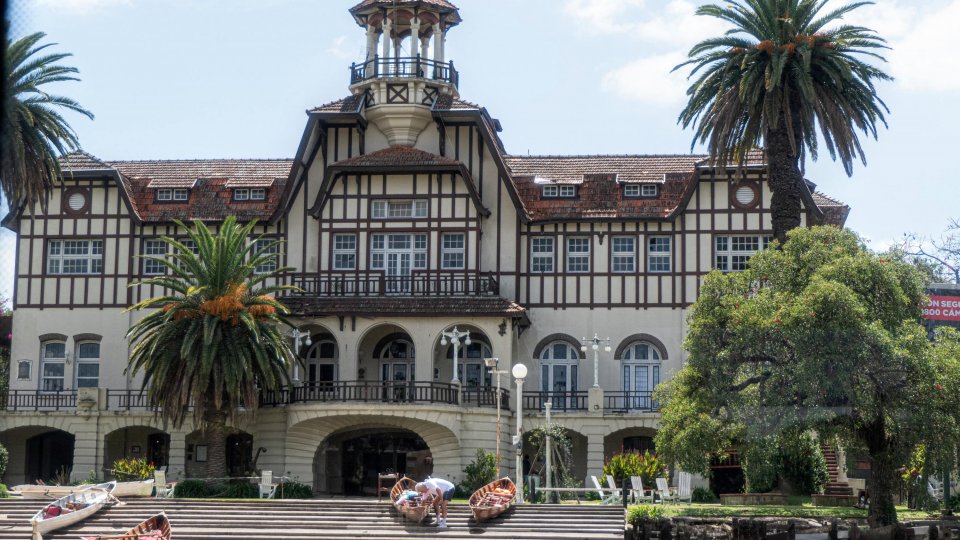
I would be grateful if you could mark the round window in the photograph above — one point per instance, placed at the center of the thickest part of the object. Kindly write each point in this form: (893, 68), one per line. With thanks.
(746, 195)
(76, 201)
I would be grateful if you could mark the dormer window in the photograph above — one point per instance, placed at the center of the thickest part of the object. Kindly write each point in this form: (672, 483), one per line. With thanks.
(641, 190)
(249, 194)
(174, 195)
(394, 209)
(558, 192)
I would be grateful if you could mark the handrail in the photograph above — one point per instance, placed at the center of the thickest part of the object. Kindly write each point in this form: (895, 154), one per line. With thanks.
(561, 400)
(125, 400)
(403, 67)
(365, 284)
(485, 396)
(40, 400)
(364, 391)
(629, 401)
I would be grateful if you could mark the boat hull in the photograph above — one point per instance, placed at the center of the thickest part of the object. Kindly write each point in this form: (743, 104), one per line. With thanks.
(416, 513)
(493, 499)
(134, 489)
(92, 498)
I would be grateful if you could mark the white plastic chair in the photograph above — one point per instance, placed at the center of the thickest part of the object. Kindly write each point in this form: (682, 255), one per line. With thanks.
(267, 487)
(638, 493)
(604, 499)
(663, 490)
(684, 491)
(164, 490)
(614, 490)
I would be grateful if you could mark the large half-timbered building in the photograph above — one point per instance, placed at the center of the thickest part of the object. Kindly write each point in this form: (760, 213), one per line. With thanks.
(404, 218)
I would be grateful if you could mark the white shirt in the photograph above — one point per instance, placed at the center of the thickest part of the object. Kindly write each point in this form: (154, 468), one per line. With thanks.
(438, 483)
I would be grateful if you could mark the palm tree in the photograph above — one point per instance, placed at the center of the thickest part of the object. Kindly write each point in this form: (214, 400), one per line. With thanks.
(776, 76)
(214, 339)
(33, 133)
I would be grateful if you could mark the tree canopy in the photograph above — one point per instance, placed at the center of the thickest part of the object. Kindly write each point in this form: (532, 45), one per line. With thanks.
(820, 335)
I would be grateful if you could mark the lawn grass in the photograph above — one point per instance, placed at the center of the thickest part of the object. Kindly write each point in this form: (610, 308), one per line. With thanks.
(800, 508)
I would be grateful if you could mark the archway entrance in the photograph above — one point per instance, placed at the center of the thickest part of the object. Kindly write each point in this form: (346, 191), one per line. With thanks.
(137, 442)
(349, 462)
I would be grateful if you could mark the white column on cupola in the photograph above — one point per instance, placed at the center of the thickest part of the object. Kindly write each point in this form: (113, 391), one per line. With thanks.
(439, 37)
(372, 37)
(425, 54)
(387, 40)
(414, 37)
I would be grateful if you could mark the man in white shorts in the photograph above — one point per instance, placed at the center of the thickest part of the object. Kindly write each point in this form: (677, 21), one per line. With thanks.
(440, 492)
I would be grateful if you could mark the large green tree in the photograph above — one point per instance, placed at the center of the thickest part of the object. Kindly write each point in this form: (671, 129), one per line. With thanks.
(785, 68)
(214, 340)
(33, 132)
(820, 335)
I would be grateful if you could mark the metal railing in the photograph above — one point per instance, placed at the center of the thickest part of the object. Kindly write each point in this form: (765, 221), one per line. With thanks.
(562, 401)
(624, 402)
(364, 391)
(364, 284)
(403, 67)
(125, 400)
(485, 396)
(40, 400)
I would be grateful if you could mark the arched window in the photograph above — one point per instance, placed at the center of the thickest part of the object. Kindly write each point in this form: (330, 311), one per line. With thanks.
(52, 365)
(641, 374)
(397, 361)
(322, 361)
(470, 368)
(559, 363)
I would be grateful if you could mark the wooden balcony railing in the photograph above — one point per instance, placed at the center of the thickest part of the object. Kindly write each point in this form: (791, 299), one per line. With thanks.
(37, 400)
(403, 68)
(562, 401)
(624, 402)
(365, 284)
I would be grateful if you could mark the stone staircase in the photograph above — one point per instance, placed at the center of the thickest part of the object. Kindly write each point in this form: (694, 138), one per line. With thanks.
(320, 519)
(834, 486)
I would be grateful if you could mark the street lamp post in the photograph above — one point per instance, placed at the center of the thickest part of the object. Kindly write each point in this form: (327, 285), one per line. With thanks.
(297, 335)
(455, 336)
(519, 373)
(594, 343)
(492, 363)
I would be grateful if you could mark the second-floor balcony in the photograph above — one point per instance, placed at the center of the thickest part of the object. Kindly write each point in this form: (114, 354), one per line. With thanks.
(365, 284)
(404, 67)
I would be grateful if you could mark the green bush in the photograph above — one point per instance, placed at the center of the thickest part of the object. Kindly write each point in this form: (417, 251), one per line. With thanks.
(4, 459)
(802, 464)
(954, 502)
(293, 490)
(647, 466)
(702, 495)
(240, 489)
(644, 511)
(3, 492)
(132, 469)
(591, 495)
(480, 472)
(191, 489)
(759, 462)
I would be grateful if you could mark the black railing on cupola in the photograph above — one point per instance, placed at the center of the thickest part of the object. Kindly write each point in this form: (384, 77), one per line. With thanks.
(404, 67)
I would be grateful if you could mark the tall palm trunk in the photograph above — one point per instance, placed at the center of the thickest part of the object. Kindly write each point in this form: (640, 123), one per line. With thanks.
(216, 436)
(786, 182)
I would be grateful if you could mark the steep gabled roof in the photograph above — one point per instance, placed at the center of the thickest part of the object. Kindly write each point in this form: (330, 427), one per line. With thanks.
(624, 168)
(397, 157)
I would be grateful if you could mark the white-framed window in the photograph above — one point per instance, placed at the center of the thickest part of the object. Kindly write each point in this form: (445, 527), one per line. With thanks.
(88, 364)
(559, 373)
(733, 252)
(165, 194)
(470, 370)
(640, 190)
(249, 194)
(180, 194)
(389, 208)
(624, 254)
(52, 365)
(658, 254)
(258, 194)
(452, 251)
(562, 191)
(74, 257)
(263, 247)
(154, 247)
(578, 254)
(541, 254)
(641, 374)
(241, 194)
(344, 252)
(400, 252)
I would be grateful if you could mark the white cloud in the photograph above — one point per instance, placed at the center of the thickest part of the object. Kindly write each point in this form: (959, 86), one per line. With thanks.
(922, 57)
(339, 48)
(602, 16)
(649, 80)
(81, 6)
(678, 24)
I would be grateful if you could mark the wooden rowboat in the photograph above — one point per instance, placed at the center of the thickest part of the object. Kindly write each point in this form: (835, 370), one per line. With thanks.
(153, 528)
(37, 491)
(416, 510)
(68, 510)
(493, 499)
(141, 488)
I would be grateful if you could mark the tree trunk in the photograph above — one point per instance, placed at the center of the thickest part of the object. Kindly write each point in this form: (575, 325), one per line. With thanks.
(883, 477)
(216, 437)
(785, 180)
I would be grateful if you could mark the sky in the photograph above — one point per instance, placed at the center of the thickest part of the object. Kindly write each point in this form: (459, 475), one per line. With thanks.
(172, 79)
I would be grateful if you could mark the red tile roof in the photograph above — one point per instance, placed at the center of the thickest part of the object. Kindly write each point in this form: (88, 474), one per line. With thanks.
(448, 102)
(404, 306)
(348, 104)
(172, 183)
(626, 168)
(81, 160)
(397, 156)
(443, 4)
(834, 211)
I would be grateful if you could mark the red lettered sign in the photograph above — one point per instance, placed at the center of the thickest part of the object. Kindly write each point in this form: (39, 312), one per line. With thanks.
(942, 308)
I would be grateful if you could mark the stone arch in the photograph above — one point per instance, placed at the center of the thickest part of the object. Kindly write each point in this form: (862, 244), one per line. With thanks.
(566, 338)
(37, 452)
(442, 354)
(629, 439)
(238, 463)
(579, 448)
(310, 429)
(137, 439)
(630, 340)
(373, 342)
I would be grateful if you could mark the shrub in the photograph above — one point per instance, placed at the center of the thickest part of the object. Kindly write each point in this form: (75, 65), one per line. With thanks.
(240, 489)
(591, 495)
(293, 490)
(191, 489)
(759, 462)
(90, 479)
(647, 466)
(644, 511)
(4, 459)
(130, 469)
(3, 492)
(702, 495)
(802, 464)
(480, 472)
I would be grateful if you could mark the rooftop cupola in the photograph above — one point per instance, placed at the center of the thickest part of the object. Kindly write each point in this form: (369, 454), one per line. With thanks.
(405, 68)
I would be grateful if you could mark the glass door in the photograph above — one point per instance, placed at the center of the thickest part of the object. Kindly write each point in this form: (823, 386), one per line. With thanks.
(559, 382)
(639, 380)
(398, 263)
